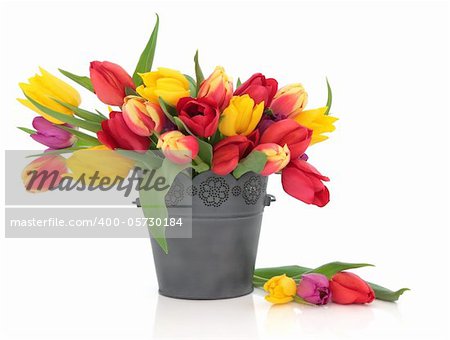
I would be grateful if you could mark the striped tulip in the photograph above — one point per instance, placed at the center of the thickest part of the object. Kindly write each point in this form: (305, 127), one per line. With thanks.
(218, 88)
(277, 157)
(289, 100)
(44, 173)
(141, 116)
(177, 147)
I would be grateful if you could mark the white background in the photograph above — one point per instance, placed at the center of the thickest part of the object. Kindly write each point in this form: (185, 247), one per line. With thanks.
(388, 160)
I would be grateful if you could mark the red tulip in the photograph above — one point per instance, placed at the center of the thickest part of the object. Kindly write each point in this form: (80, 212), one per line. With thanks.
(347, 288)
(288, 132)
(259, 89)
(201, 115)
(228, 152)
(115, 134)
(110, 81)
(302, 181)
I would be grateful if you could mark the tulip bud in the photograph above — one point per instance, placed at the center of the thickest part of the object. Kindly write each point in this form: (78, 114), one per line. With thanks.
(200, 115)
(241, 116)
(281, 289)
(44, 173)
(141, 116)
(218, 88)
(288, 132)
(277, 157)
(168, 84)
(302, 181)
(289, 100)
(116, 134)
(348, 288)
(51, 135)
(110, 81)
(314, 288)
(44, 89)
(228, 152)
(259, 88)
(177, 147)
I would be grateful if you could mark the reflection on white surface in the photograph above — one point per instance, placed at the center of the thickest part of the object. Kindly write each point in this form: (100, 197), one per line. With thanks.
(229, 318)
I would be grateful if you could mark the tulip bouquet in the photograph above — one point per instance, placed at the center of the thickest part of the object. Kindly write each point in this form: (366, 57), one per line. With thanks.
(206, 123)
(319, 286)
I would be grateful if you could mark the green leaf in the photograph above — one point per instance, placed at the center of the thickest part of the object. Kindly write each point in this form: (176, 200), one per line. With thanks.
(238, 83)
(101, 114)
(330, 98)
(146, 59)
(332, 268)
(192, 85)
(254, 162)
(384, 294)
(87, 115)
(149, 160)
(153, 201)
(90, 140)
(198, 71)
(80, 80)
(130, 92)
(262, 275)
(90, 126)
(29, 131)
(57, 152)
(168, 110)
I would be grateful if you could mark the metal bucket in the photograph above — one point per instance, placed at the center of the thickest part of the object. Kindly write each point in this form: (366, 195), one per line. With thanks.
(218, 261)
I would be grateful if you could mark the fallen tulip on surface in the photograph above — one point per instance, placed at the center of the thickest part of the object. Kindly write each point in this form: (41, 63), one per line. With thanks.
(281, 289)
(314, 288)
(348, 288)
(44, 173)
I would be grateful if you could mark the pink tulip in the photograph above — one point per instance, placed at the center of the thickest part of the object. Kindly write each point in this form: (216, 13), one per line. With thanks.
(51, 135)
(110, 81)
(314, 288)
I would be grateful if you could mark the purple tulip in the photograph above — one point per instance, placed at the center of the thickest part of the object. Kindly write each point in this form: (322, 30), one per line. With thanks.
(51, 135)
(314, 288)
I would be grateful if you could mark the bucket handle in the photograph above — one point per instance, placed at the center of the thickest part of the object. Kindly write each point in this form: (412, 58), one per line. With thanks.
(269, 199)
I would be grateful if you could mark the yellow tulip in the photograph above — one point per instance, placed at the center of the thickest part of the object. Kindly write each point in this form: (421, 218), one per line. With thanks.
(166, 83)
(317, 121)
(107, 162)
(281, 289)
(241, 116)
(46, 87)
